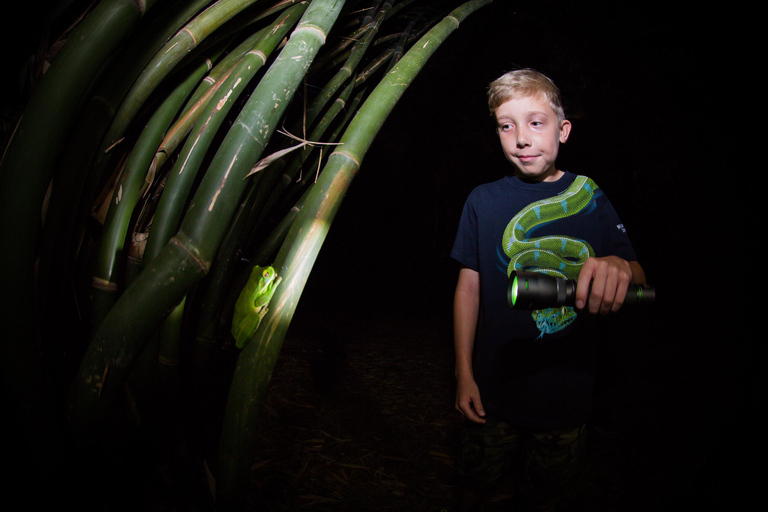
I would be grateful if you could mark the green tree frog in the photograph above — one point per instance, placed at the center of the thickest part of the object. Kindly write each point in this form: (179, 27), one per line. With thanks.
(251, 305)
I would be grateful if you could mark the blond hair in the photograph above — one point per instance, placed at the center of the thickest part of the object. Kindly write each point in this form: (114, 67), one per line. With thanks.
(524, 83)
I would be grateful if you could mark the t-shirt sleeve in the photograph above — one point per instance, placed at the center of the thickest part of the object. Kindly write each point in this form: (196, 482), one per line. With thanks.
(617, 239)
(465, 246)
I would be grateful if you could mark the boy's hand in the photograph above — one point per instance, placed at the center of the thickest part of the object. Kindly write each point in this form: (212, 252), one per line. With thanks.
(468, 400)
(610, 276)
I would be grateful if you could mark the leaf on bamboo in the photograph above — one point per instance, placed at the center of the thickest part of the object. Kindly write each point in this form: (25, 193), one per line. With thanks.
(269, 159)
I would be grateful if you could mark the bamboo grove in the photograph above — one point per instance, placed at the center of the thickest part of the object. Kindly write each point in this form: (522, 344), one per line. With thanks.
(170, 146)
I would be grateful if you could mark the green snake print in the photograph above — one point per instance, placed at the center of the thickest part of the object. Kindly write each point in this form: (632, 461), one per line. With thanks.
(558, 255)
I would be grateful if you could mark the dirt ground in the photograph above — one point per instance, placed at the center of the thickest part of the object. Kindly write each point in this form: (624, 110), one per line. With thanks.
(360, 417)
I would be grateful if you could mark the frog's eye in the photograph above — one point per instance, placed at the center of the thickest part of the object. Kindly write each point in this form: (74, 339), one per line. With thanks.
(265, 274)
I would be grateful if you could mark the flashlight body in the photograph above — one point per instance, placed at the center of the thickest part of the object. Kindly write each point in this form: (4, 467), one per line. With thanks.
(534, 290)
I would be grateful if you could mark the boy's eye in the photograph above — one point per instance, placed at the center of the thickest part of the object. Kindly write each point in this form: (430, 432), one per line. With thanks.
(505, 127)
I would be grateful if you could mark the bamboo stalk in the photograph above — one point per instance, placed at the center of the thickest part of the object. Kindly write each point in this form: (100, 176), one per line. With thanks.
(161, 65)
(201, 98)
(168, 216)
(71, 191)
(251, 217)
(356, 54)
(186, 258)
(25, 173)
(128, 192)
(299, 251)
(182, 176)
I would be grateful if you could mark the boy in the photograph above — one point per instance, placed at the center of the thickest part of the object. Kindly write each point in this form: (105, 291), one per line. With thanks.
(524, 379)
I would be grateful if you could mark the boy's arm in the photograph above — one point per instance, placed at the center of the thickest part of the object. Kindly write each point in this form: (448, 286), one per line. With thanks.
(466, 307)
(610, 277)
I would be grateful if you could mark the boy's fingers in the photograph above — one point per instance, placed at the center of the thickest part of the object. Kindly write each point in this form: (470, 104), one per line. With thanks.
(471, 413)
(582, 285)
(478, 405)
(597, 297)
(477, 411)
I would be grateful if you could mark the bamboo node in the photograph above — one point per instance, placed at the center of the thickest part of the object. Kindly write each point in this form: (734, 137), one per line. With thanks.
(104, 284)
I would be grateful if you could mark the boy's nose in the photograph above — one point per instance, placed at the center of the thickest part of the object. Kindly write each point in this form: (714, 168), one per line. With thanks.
(523, 139)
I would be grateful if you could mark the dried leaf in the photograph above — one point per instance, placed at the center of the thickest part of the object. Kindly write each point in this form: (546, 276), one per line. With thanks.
(267, 160)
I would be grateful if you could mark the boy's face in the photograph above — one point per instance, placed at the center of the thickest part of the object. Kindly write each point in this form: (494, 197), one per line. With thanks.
(530, 135)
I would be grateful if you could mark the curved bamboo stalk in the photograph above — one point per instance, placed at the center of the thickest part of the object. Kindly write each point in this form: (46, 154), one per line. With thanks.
(299, 251)
(256, 208)
(182, 176)
(25, 174)
(201, 98)
(346, 71)
(186, 258)
(218, 75)
(128, 191)
(71, 193)
(174, 198)
(168, 216)
(163, 63)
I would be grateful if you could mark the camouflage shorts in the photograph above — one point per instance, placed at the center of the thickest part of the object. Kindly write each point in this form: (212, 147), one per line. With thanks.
(538, 465)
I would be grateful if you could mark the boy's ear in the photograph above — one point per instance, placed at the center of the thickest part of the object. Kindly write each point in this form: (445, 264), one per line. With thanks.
(565, 130)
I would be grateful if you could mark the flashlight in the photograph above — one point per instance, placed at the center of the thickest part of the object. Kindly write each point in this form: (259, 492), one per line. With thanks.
(534, 290)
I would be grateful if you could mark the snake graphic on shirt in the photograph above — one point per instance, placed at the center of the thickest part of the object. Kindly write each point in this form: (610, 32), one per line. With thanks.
(562, 256)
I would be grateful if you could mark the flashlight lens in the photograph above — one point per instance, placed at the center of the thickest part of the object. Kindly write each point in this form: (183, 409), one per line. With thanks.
(514, 291)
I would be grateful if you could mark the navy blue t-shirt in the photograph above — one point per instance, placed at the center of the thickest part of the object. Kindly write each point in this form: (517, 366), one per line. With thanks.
(527, 376)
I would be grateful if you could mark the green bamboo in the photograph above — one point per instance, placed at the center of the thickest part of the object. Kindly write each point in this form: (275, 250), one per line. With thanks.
(168, 216)
(228, 63)
(299, 251)
(70, 189)
(296, 164)
(185, 170)
(256, 208)
(356, 54)
(197, 103)
(186, 258)
(128, 192)
(162, 64)
(177, 133)
(25, 174)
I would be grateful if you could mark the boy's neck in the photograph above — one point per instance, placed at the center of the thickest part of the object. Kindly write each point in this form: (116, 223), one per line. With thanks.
(552, 176)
